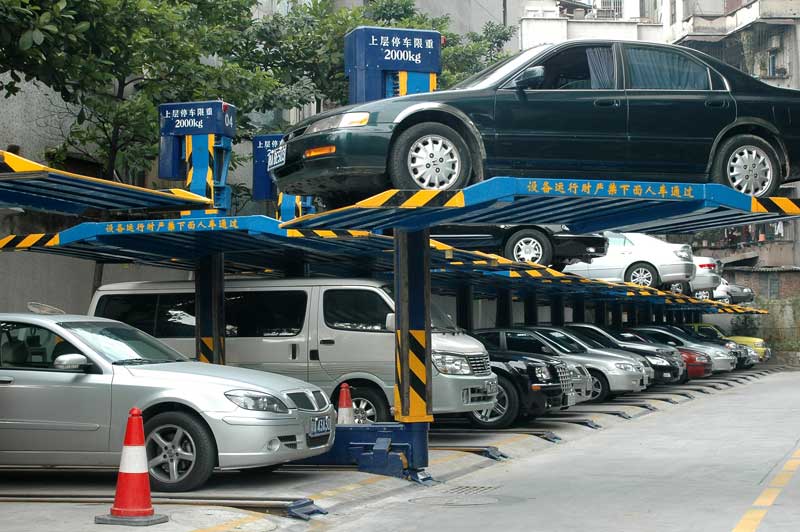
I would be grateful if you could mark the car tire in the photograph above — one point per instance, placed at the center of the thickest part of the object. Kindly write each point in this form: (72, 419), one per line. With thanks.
(679, 288)
(449, 157)
(600, 388)
(702, 294)
(530, 243)
(507, 398)
(736, 152)
(196, 440)
(724, 300)
(642, 271)
(369, 405)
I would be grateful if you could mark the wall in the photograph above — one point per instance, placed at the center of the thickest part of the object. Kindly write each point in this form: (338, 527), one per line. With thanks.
(535, 31)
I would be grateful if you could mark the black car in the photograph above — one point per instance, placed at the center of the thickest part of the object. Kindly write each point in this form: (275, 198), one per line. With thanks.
(595, 109)
(529, 385)
(542, 244)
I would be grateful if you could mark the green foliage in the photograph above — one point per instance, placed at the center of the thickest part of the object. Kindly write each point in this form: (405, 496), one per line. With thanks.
(745, 325)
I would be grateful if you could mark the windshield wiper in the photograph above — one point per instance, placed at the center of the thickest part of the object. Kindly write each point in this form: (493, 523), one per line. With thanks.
(133, 361)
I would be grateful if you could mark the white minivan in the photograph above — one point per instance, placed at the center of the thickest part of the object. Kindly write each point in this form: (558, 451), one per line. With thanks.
(323, 331)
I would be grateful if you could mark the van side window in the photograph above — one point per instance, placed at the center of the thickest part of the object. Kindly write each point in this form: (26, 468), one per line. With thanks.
(489, 339)
(525, 343)
(175, 316)
(358, 310)
(137, 310)
(271, 313)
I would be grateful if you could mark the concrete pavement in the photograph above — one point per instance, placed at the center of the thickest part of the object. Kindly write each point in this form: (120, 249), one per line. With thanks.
(700, 466)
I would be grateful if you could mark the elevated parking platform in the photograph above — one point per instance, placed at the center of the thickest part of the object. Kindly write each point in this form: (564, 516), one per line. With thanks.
(33, 186)
(582, 205)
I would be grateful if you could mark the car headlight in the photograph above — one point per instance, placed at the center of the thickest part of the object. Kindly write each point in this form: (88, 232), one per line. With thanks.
(625, 367)
(702, 358)
(730, 345)
(450, 364)
(761, 344)
(656, 361)
(338, 121)
(542, 373)
(260, 401)
(717, 353)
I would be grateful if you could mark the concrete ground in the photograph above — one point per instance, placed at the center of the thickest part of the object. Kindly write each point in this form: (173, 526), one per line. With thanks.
(683, 458)
(725, 462)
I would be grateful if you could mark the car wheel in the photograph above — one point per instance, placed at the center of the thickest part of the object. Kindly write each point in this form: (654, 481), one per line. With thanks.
(748, 164)
(181, 452)
(529, 245)
(600, 388)
(702, 294)
(724, 300)
(369, 405)
(679, 288)
(505, 410)
(430, 156)
(642, 274)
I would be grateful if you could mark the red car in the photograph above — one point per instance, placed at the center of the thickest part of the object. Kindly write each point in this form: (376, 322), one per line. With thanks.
(698, 365)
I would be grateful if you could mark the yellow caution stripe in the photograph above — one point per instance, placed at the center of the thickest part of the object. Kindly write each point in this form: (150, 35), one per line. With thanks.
(408, 199)
(418, 376)
(326, 233)
(35, 240)
(776, 204)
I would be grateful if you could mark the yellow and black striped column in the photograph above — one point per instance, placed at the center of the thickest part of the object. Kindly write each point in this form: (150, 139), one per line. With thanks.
(209, 311)
(413, 388)
(34, 240)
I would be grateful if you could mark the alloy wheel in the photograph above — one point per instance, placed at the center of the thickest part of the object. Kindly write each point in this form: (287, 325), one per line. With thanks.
(702, 294)
(528, 250)
(749, 170)
(364, 411)
(676, 287)
(171, 453)
(434, 162)
(642, 276)
(597, 388)
(491, 415)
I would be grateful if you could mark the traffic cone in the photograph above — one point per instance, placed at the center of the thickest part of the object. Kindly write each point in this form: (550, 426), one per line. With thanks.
(345, 416)
(132, 505)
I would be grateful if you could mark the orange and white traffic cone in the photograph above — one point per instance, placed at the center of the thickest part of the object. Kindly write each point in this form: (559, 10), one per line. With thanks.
(345, 416)
(132, 504)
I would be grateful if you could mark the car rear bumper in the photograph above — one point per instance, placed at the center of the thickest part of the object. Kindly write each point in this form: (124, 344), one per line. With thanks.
(707, 281)
(357, 165)
(249, 441)
(677, 272)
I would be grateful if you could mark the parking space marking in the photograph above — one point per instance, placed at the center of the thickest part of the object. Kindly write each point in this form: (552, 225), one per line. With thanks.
(231, 525)
(333, 492)
(750, 521)
(509, 441)
(753, 517)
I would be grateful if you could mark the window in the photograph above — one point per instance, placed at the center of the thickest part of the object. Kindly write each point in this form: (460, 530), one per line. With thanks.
(656, 68)
(580, 68)
(273, 313)
(137, 310)
(617, 240)
(564, 342)
(673, 12)
(772, 65)
(175, 317)
(663, 338)
(526, 343)
(490, 339)
(593, 335)
(31, 347)
(357, 310)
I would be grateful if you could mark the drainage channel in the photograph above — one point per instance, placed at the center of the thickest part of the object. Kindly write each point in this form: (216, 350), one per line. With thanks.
(285, 506)
(546, 435)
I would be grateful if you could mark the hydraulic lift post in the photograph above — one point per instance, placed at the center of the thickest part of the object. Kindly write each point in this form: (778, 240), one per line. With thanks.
(504, 313)
(616, 315)
(465, 315)
(531, 314)
(600, 313)
(557, 310)
(579, 309)
(658, 314)
(209, 286)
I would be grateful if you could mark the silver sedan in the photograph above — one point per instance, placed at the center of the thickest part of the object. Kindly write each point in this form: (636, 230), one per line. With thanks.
(68, 382)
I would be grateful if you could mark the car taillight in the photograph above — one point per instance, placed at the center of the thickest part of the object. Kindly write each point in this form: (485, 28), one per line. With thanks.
(707, 266)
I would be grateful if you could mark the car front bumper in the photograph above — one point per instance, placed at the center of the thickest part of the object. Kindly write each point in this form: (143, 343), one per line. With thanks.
(676, 272)
(723, 364)
(244, 438)
(699, 370)
(668, 374)
(453, 394)
(357, 165)
(626, 382)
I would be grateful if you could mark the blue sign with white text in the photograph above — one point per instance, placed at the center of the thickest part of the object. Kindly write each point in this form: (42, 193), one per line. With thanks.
(393, 49)
(263, 184)
(198, 118)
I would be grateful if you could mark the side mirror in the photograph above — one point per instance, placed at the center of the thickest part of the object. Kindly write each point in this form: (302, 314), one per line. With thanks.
(71, 361)
(531, 78)
(390, 322)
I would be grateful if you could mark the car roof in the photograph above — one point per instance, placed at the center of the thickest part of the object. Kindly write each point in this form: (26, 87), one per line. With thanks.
(136, 286)
(44, 319)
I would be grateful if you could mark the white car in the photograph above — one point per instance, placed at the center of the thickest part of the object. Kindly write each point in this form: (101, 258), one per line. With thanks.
(706, 279)
(640, 259)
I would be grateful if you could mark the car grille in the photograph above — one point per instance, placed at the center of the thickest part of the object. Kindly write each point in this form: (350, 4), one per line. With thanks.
(303, 401)
(319, 397)
(288, 441)
(479, 364)
(564, 378)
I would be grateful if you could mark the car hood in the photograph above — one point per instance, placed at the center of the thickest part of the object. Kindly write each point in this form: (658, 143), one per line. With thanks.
(616, 354)
(509, 356)
(205, 374)
(336, 111)
(458, 343)
(746, 340)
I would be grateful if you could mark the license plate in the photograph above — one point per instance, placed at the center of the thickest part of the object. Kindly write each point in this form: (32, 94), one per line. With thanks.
(320, 426)
(277, 158)
(667, 375)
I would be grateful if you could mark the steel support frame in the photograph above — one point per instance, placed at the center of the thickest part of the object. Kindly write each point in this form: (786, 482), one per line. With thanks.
(557, 310)
(531, 309)
(209, 285)
(632, 315)
(616, 315)
(600, 313)
(658, 314)
(504, 312)
(465, 315)
(578, 309)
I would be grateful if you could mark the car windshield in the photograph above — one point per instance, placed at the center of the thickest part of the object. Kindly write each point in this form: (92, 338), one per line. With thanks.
(627, 336)
(564, 342)
(591, 342)
(440, 320)
(497, 72)
(122, 344)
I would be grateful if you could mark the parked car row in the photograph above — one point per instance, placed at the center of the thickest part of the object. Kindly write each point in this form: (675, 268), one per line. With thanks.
(529, 362)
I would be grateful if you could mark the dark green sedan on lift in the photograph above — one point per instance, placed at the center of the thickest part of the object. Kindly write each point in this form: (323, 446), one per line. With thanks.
(578, 109)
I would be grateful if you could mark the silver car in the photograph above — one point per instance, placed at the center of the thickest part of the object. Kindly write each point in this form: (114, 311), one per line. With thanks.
(612, 374)
(68, 382)
(721, 359)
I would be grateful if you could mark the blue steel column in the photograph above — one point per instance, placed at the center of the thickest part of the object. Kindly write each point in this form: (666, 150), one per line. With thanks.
(413, 392)
(209, 285)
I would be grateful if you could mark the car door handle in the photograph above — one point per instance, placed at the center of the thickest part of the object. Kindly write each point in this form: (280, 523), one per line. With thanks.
(6, 380)
(293, 354)
(606, 102)
(716, 103)
(327, 341)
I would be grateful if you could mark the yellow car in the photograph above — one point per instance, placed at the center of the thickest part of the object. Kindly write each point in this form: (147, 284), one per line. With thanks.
(714, 331)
